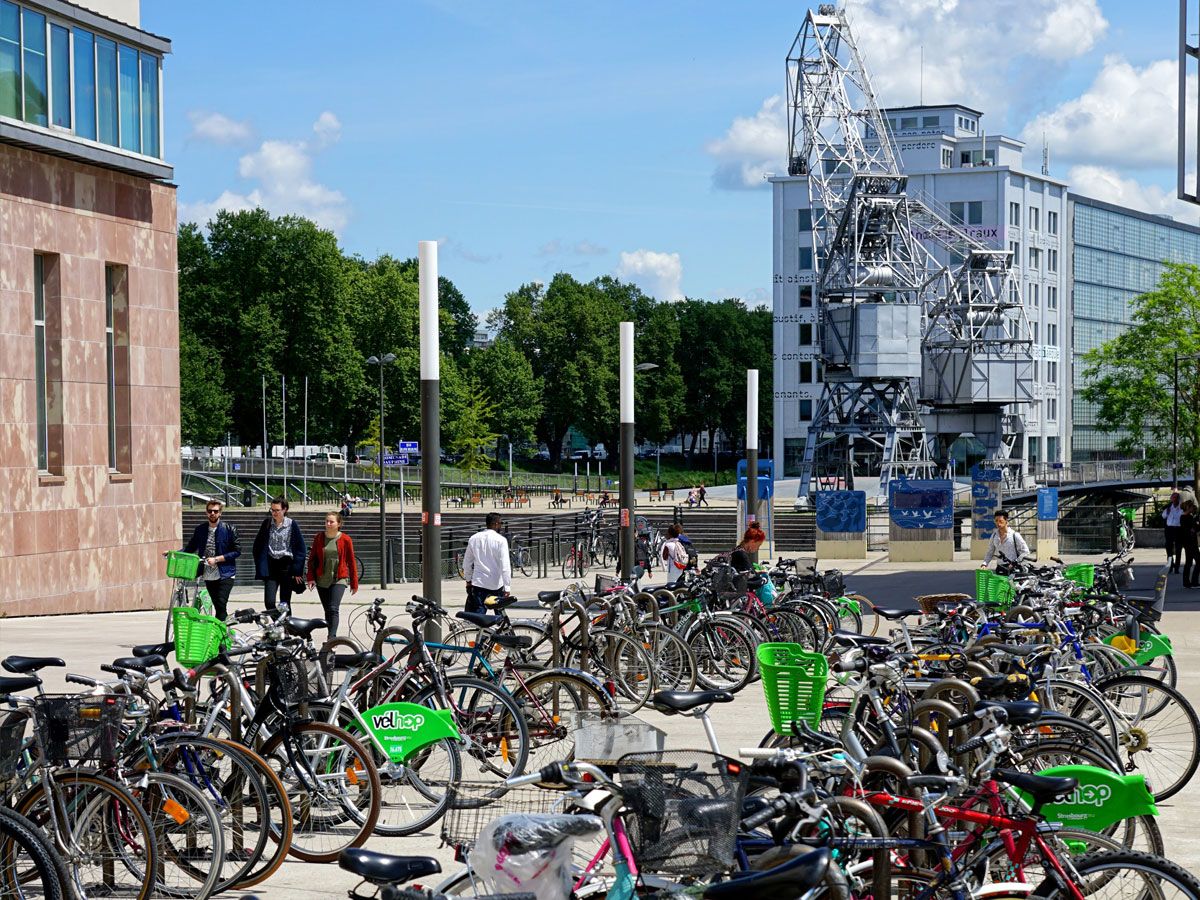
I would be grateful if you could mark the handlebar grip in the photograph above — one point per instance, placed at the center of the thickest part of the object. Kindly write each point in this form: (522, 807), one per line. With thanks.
(114, 670)
(962, 720)
(245, 616)
(853, 665)
(970, 746)
(757, 752)
(778, 805)
(81, 679)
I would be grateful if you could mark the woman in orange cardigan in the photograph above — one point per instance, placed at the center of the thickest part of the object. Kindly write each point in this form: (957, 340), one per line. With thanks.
(331, 567)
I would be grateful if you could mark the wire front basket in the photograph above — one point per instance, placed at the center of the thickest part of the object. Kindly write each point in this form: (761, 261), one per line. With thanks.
(682, 810)
(475, 804)
(13, 725)
(287, 679)
(79, 729)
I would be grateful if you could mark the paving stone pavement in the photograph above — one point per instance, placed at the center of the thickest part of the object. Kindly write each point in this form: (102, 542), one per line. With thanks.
(87, 641)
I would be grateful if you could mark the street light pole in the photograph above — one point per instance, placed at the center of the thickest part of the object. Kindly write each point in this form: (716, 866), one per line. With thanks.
(752, 449)
(1175, 432)
(381, 361)
(431, 489)
(626, 436)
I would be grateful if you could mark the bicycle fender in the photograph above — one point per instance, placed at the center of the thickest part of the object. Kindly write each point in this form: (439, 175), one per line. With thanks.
(585, 676)
(401, 729)
(1102, 798)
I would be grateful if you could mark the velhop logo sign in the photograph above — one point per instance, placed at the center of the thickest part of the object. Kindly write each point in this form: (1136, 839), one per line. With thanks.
(401, 729)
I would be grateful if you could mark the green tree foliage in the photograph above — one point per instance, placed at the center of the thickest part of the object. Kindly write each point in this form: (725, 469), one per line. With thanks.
(469, 433)
(506, 376)
(203, 401)
(1130, 378)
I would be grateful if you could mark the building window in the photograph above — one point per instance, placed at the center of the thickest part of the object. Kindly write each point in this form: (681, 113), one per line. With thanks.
(1014, 295)
(806, 372)
(908, 122)
(1033, 451)
(106, 90)
(10, 60)
(116, 309)
(130, 99)
(39, 361)
(1052, 449)
(1051, 222)
(60, 76)
(1033, 295)
(36, 88)
(806, 333)
(1035, 258)
(964, 158)
(806, 297)
(967, 212)
(149, 84)
(805, 410)
(1014, 215)
(931, 122)
(806, 258)
(1036, 335)
(1052, 334)
(1015, 249)
(1052, 372)
(958, 212)
(947, 157)
(1035, 219)
(1051, 260)
(803, 220)
(85, 84)
(47, 365)
(1052, 409)
(1051, 297)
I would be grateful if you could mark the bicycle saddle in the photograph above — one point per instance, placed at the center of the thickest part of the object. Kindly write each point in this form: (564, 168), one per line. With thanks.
(1042, 788)
(854, 639)
(303, 627)
(499, 603)
(896, 614)
(1020, 712)
(671, 702)
(483, 620)
(513, 641)
(355, 660)
(549, 598)
(139, 663)
(154, 649)
(23, 665)
(384, 868)
(522, 833)
(792, 879)
(18, 683)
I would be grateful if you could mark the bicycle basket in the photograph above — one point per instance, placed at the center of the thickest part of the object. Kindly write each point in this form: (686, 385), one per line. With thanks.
(728, 580)
(682, 810)
(605, 583)
(474, 804)
(79, 729)
(1122, 576)
(603, 738)
(287, 679)
(794, 684)
(1081, 573)
(12, 736)
(198, 638)
(183, 565)
(834, 583)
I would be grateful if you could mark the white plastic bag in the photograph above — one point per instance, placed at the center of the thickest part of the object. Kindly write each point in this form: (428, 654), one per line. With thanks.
(523, 853)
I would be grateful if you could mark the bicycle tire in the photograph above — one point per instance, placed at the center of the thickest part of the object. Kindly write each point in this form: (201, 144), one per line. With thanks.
(675, 663)
(555, 704)
(340, 814)
(1112, 864)
(724, 655)
(188, 834)
(27, 857)
(488, 731)
(523, 560)
(99, 800)
(621, 662)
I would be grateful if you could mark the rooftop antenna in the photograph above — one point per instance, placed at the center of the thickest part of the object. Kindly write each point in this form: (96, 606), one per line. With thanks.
(1045, 155)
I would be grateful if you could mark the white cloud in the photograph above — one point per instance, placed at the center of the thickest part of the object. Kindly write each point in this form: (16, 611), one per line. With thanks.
(462, 251)
(587, 248)
(751, 148)
(1126, 117)
(658, 274)
(979, 53)
(285, 183)
(218, 128)
(550, 248)
(1108, 184)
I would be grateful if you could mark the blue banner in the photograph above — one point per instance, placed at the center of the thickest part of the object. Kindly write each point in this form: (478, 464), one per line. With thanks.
(842, 511)
(985, 500)
(1047, 504)
(922, 503)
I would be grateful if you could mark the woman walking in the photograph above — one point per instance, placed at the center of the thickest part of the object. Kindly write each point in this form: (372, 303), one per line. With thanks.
(332, 568)
(674, 554)
(742, 557)
(1189, 539)
(279, 555)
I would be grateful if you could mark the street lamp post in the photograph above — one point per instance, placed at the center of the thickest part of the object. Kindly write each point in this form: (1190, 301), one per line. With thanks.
(1175, 422)
(386, 360)
(752, 448)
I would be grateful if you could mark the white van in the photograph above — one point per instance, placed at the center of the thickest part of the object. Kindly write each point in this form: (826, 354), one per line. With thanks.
(329, 459)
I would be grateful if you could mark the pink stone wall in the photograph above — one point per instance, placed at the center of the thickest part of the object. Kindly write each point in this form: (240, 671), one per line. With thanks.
(90, 540)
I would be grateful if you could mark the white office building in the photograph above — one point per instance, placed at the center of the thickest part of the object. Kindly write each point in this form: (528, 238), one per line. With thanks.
(980, 181)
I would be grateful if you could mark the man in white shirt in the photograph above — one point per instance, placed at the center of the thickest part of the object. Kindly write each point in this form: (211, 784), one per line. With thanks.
(1173, 519)
(1005, 543)
(487, 566)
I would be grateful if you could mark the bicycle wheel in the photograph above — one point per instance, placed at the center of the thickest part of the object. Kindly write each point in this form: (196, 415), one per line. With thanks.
(674, 662)
(458, 565)
(1125, 873)
(523, 560)
(554, 705)
(724, 655)
(188, 834)
(333, 788)
(621, 662)
(1159, 731)
(30, 867)
(103, 834)
(493, 728)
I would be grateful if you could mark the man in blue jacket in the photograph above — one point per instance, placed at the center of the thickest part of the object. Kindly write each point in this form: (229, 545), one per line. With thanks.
(218, 544)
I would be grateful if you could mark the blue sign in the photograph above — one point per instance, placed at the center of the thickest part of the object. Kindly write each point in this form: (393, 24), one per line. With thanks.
(407, 447)
(237, 467)
(922, 503)
(842, 511)
(395, 460)
(1047, 504)
(766, 479)
(985, 500)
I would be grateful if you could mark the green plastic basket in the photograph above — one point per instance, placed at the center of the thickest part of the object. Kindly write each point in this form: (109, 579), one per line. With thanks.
(198, 638)
(794, 683)
(983, 582)
(183, 565)
(1081, 573)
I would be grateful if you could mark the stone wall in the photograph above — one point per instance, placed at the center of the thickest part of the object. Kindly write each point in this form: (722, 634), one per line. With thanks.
(83, 537)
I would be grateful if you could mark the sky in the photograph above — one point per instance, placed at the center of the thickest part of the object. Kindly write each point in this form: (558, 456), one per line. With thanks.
(622, 138)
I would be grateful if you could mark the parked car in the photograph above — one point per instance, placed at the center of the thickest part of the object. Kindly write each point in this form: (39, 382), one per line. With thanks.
(599, 452)
(581, 454)
(329, 459)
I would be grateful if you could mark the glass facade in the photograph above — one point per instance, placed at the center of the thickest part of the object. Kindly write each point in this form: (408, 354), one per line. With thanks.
(1118, 255)
(52, 75)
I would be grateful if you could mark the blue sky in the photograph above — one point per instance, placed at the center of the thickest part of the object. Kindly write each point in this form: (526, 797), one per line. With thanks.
(625, 138)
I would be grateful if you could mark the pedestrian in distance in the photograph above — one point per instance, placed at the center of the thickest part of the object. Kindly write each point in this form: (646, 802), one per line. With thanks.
(1171, 530)
(332, 568)
(487, 565)
(674, 554)
(557, 502)
(279, 552)
(346, 507)
(701, 496)
(742, 557)
(218, 543)
(1006, 544)
(1189, 537)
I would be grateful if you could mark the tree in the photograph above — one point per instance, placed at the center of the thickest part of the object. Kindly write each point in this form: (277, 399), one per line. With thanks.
(1130, 378)
(457, 331)
(203, 401)
(469, 433)
(506, 376)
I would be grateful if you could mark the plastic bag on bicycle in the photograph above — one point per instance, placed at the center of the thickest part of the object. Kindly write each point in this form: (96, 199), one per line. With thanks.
(522, 853)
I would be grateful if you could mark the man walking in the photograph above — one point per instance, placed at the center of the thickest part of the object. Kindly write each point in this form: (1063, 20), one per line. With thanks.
(1173, 521)
(218, 543)
(487, 566)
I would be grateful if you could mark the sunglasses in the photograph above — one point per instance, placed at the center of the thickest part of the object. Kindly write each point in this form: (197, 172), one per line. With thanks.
(214, 512)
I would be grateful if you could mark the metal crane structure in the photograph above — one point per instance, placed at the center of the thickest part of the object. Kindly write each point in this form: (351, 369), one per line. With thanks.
(883, 295)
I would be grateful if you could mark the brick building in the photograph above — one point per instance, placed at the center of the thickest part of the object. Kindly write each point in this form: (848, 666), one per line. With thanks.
(89, 333)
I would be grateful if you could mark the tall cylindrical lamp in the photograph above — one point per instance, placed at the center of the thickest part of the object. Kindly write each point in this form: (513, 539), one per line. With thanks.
(431, 495)
(626, 438)
(752, 448)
